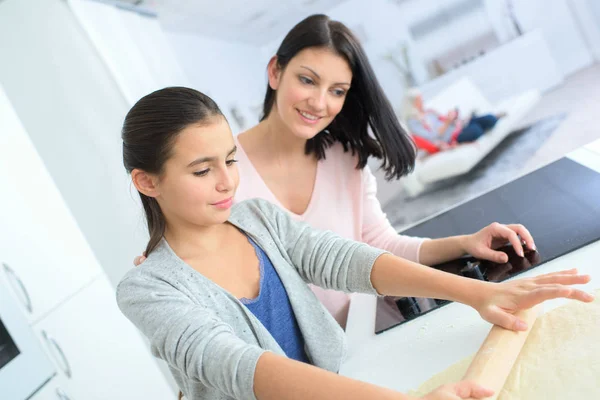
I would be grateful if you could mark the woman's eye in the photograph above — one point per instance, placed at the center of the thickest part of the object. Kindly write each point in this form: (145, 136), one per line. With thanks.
(201, 173)
(231, 162)
(306, 80)
(339, 92)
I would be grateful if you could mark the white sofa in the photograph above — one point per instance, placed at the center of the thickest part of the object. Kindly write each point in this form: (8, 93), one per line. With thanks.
(464, 95)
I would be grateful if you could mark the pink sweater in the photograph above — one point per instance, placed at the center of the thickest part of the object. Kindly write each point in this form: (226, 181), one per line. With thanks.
(343, 201)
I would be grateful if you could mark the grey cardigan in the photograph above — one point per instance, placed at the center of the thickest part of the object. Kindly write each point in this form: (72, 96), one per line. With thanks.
(211, 341)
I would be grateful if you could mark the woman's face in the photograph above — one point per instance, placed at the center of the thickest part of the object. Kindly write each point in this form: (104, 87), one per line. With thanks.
(310, 91)
(200, 178)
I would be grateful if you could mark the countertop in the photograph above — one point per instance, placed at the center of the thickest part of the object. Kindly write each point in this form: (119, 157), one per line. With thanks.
(407, 355)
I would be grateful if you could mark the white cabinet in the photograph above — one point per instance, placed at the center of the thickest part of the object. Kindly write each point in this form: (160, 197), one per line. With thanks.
(98, 352)
(53, 390)
(44, 254)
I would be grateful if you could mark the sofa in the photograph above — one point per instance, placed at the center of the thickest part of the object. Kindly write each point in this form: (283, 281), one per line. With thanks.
(465, 96)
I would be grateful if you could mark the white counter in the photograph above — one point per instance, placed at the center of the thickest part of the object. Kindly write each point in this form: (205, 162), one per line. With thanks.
(407, 355)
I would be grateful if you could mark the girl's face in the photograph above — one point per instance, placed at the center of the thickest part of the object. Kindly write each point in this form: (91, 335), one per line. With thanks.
(200, 178)
(310, 91)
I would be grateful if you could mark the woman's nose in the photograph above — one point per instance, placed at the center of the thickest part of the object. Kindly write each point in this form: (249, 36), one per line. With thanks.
(318, 101)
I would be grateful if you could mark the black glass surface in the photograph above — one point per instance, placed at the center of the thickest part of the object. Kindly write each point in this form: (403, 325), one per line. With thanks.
(8, 348)
(559, 204)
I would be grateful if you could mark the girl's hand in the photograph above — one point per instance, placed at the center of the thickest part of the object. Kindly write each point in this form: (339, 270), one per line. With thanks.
(483, 244)
(499, 301)
(460, 390)
(139, 259)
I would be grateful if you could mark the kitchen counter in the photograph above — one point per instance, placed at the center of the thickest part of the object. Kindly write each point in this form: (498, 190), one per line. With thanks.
(407, 355)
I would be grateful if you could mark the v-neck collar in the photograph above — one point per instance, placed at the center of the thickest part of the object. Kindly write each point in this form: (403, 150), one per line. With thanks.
(273, 199)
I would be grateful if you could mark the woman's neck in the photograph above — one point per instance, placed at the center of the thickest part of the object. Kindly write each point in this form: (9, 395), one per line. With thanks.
(276, 139)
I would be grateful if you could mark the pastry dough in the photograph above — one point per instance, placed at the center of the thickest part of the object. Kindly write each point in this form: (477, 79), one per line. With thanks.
(560, 359)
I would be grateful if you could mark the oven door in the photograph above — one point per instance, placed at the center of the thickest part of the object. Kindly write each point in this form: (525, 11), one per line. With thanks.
(24, 367)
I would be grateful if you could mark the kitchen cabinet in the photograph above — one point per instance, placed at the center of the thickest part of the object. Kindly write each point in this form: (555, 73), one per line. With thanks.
(43, 253)
(97, 352)
(62, 288)
(53, 390)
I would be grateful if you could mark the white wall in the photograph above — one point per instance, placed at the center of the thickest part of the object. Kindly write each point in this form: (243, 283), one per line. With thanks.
(557, 21)
(587, 15)
(133, 48)
(233, 74)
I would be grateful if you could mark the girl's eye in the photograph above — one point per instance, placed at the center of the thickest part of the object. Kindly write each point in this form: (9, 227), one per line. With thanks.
(231, 162)
(306, 80)
(201, 173)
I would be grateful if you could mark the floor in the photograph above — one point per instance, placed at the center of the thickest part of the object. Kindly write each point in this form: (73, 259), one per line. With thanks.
(578, 98)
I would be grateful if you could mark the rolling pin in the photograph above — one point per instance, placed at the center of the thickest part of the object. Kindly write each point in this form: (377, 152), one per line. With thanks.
(496, 356)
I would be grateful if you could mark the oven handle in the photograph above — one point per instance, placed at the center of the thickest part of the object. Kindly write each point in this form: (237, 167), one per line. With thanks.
(18, 286)
(61, 394)
(63, 362)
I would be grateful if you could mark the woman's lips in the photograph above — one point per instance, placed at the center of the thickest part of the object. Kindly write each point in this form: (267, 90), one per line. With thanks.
(224, 204)
(308, 120)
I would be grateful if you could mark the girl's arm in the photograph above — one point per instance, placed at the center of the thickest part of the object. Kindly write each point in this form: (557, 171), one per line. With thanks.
(495, 302)
(278, 378)
(333, 262)
(192, 340)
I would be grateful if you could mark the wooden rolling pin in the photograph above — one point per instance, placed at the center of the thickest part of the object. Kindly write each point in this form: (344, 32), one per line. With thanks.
(498, 353)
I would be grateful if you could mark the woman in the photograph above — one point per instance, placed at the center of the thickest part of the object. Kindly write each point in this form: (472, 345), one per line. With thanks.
(222, 296)
(443, 131)
(308, 154)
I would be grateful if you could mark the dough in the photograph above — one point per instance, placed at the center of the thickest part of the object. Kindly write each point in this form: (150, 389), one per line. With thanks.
(560, 359)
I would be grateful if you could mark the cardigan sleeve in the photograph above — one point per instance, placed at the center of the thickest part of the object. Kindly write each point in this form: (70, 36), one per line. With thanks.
(189, 336)
(321, 257)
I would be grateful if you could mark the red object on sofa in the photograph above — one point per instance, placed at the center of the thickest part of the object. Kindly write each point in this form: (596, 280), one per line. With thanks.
(424, 144)
(430, 147)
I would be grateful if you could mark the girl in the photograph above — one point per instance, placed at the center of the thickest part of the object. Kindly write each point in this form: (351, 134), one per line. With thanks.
(308, 155)
(222, 296)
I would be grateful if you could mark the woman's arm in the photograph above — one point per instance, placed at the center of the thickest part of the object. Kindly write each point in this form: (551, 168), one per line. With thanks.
(481, 244)
(436, 251)
(376, 228)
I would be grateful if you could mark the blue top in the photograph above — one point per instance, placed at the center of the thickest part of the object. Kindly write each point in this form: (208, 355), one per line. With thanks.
(273, 309)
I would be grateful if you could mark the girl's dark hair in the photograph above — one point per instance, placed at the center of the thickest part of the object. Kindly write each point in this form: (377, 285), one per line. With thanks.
(366, 105)
(149, 133)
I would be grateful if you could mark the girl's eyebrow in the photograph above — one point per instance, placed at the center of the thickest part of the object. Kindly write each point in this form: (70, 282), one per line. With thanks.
(317, 75)
(209, 159)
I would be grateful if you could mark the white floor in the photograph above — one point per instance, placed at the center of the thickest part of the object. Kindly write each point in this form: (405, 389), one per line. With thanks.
(579, 96)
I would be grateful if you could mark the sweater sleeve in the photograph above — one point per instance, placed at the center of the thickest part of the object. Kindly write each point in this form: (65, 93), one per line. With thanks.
(376, 228)
(189, 337)
(322, 257)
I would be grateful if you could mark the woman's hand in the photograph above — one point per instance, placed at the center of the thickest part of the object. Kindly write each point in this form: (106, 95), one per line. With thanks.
(483, 244)
(460, 390)
(139, 259)
(499, 301)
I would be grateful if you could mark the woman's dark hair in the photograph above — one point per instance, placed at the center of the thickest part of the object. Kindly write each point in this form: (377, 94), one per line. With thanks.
(149, 133)
(366, 105)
